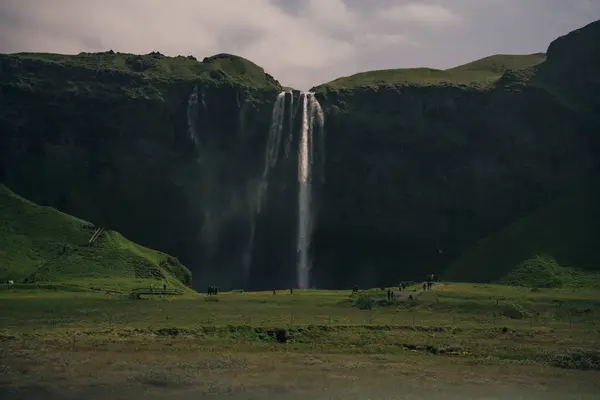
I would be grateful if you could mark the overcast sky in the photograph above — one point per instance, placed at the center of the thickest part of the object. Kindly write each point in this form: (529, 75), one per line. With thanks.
(301, 43)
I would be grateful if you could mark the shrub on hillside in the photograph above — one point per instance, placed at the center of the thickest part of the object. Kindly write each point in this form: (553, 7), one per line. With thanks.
(541, 271)
(364, 301)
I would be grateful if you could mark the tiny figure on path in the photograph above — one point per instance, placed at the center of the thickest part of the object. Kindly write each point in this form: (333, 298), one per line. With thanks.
(389, 294)
(274, 291)
(291, 291)
(424, 287)
(165, 285)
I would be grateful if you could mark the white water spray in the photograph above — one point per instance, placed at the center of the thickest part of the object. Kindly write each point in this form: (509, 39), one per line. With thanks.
(272, 148)
(192, 116)
(291, 114)
(311, 113)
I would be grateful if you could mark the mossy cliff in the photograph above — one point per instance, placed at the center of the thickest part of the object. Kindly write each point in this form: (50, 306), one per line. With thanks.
(421, 165)
(105, 137)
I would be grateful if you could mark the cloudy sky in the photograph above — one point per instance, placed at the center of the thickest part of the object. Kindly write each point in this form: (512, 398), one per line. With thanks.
(300, 42)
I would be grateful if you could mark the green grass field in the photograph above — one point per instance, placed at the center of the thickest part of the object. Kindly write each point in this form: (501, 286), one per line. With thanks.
(478, 311)
(480, 73)
(42, 245)
(458, 336)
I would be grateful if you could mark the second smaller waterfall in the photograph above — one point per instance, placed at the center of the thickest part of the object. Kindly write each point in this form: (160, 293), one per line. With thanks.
(272, 147)
(192, 116)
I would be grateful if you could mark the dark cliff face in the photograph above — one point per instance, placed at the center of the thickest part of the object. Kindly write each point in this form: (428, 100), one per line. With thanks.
(114, 147)
(415, 174)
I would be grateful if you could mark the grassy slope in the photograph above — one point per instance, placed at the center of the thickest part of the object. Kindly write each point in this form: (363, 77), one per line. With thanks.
(566, 230)
(33, 239)
(157, 67)
(480, 73)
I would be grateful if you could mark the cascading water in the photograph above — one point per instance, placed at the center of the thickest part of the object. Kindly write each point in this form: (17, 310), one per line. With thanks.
(192, 110)
(311, 113)
(271, 154)
(312, 123)
(272, 148)
(291, 115)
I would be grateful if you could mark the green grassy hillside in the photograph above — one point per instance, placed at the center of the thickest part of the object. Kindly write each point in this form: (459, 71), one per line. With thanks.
(482, 72)
(42, 245)
(556, 245)
(156, 66)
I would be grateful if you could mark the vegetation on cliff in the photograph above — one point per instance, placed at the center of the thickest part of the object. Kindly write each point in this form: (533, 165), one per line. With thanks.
(562, 233)
(43, 245)
(481, 73)
(155, 67)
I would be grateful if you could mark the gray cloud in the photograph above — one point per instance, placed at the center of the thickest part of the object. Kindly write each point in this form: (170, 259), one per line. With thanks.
(300, 42)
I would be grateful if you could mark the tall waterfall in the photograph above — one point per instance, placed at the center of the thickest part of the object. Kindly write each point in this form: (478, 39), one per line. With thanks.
(311, 113)
(312, 124)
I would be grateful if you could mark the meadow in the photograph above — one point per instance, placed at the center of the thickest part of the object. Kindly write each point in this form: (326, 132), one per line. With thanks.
(234, 342)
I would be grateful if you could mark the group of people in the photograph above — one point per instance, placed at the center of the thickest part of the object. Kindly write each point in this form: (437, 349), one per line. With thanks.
(390, 294)
(291, 291)
(428, 285)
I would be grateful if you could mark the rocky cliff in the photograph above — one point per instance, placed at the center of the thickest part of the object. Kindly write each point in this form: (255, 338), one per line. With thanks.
(114, 138)
(420, 164)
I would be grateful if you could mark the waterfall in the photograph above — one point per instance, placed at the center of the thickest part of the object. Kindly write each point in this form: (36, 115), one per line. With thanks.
(311, 113)
(310, 153)
(192, 116)
(288, 142)
(272, 148)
